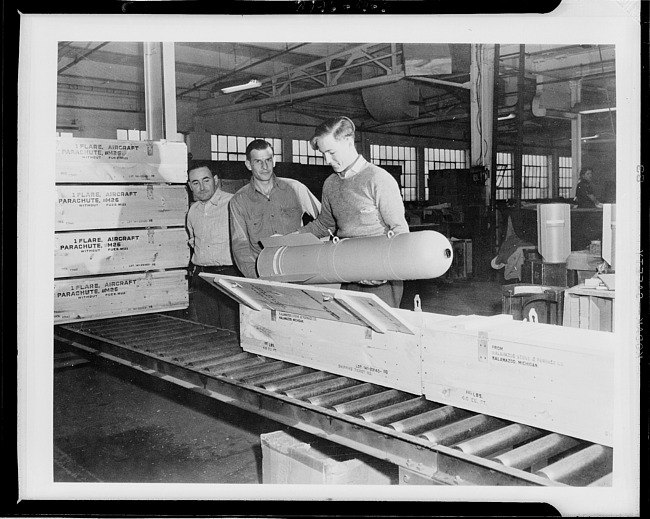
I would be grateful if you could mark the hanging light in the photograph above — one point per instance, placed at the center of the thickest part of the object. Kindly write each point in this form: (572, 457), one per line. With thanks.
(253, 83)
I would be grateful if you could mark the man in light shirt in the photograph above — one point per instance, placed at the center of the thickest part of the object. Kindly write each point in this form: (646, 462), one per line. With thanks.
(209, 237)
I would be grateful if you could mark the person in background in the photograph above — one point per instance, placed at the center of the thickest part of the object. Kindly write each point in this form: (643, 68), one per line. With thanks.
(267, 206)
(359, 199)
(584, 191)
(209, 237)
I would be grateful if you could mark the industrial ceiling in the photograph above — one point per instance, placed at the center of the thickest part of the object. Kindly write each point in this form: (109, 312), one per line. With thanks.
(408, 89)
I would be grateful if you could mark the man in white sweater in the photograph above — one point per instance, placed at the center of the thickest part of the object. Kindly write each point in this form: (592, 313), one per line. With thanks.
(359, 199)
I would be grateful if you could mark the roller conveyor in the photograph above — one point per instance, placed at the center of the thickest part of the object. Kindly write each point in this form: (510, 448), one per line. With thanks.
(438, 443)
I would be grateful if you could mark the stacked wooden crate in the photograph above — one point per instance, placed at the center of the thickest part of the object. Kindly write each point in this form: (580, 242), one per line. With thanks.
(120, 241)
(589, 308)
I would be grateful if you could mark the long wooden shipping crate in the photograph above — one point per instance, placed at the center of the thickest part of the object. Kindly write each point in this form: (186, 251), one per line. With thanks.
(85, 207)
(87, 253)
(83, 299)
(552, 377)
(107, 160)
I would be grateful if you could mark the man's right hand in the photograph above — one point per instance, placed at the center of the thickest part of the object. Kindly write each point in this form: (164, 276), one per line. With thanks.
(371, 282)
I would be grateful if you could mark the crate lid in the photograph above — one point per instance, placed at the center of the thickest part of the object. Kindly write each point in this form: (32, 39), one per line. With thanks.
(319, 302)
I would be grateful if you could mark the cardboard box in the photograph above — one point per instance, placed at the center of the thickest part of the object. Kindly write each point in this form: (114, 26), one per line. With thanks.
(87, 253)
(108, 160)
(87, 298)
(289, 460)
(552, 377)
(85, 207)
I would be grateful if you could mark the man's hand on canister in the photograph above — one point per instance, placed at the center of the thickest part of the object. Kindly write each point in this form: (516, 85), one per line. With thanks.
(375, 282)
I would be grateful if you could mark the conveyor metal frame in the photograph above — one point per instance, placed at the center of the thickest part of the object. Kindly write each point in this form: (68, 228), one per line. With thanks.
(437, 464)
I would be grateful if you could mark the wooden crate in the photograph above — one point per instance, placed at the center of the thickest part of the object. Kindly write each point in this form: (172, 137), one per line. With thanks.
(85, 207)
(589, 308)
(286, 459)
(551, 377)
(87, 253)
(99, 297)
(347, 333)
(520, 299)
(107, 160)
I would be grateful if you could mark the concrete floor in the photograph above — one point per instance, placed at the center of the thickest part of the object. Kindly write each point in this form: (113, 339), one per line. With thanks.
(114, 424)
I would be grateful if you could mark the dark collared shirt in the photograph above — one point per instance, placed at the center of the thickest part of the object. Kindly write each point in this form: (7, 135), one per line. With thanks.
(254, 216)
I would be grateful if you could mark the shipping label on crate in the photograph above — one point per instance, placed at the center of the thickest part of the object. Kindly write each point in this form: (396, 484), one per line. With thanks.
(107, 160)
(87, 298)
(84, 207)
(105, 252)
(541, 375)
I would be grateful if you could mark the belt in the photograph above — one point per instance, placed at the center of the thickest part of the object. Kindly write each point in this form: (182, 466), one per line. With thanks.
(212, 269)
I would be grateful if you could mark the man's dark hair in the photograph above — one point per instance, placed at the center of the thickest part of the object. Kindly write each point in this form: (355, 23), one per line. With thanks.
(196, 164)
(257, 144)
(584, 170)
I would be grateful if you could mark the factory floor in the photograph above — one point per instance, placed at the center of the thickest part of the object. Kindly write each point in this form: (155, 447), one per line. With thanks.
(115, 424)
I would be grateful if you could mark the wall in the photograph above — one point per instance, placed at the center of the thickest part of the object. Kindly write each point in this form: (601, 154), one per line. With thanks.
(102, 123)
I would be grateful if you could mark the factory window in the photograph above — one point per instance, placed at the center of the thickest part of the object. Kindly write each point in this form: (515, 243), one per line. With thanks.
(132, 135)
(436, 158)
(233, 147)
(505, 169)
(565, 179)
(399, 156)
(535, 177)
(304, 154)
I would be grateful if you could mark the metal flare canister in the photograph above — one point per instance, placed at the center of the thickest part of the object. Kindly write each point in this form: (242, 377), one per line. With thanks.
(296, 258)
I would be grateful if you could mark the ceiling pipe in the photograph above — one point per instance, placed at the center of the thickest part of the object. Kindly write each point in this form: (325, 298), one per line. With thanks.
(493, 158)
(519, 124)
(434, 81)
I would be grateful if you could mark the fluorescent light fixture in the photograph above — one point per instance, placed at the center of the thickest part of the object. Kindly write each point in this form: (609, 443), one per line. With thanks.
(597, 110)
(253, 83)
(588, 138)
(506, 117)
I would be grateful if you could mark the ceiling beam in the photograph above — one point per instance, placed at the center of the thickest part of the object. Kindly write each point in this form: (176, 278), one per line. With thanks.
(82, 57)
(210, 107)
(219, 79)
(288, 86)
